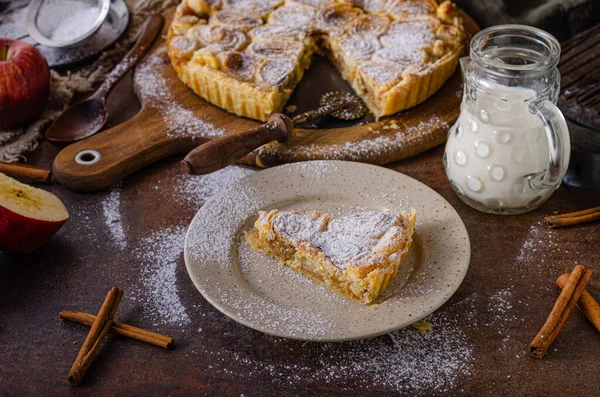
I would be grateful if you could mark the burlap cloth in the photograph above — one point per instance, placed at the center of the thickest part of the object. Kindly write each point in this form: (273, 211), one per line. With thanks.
(15, 144)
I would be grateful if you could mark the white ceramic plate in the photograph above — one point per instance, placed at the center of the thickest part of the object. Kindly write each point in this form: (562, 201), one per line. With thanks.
(259, 292)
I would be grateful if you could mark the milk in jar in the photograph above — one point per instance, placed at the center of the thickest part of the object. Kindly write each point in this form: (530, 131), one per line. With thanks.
(490, 154)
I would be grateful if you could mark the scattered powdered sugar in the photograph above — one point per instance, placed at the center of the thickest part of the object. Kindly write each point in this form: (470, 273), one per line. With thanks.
(408, 37)
(383, 143)
(501, 301)
(540, 244)
(277, 72)
(500, 306)
(180, 121)
(197, 189)
(111, 206)
(403, 361)
(317, 169)
(293, 16)
(360, 47)
(381, 71)
(160, 254)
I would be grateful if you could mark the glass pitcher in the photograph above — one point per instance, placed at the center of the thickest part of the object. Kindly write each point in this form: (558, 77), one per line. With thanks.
(509, 149)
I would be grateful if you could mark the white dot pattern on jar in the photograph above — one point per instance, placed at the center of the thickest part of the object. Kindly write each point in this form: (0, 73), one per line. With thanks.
(496, 172)
(502, 106)
(474, 183)
(484, 116)
(482, 149)
(458, 131)
(473, 125)
(493, 203)
(460, 157)
(501, 136)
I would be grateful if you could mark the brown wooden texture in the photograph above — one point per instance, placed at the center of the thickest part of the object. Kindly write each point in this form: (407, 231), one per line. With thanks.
(145, 138)
(580, 72)
(216, 356)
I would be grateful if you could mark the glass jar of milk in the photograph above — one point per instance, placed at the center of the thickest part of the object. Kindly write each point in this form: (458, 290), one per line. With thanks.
(510, 147)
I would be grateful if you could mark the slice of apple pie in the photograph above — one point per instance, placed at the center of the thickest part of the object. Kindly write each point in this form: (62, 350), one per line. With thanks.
(355, 255)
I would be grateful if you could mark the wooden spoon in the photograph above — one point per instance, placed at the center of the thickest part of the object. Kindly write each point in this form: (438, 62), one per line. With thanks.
(88, 117)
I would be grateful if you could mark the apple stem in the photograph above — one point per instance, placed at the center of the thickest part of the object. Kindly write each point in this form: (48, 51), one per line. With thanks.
(4, 52)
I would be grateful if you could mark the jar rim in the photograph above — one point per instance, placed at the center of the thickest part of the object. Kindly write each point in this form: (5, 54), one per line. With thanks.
(537, 36)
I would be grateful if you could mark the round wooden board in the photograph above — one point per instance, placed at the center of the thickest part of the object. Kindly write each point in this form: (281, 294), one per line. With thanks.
(174, 120)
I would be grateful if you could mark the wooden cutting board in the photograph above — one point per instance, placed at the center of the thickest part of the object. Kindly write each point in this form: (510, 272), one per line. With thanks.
(174, 120)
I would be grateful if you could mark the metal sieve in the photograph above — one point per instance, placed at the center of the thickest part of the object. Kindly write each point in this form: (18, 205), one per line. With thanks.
(63, 23)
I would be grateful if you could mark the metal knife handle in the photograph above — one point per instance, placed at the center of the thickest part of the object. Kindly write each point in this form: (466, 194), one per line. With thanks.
(305, 117)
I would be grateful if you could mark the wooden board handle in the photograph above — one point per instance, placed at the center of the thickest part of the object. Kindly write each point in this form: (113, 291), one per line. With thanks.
(103, 159)
(221, 152)
(27, 172)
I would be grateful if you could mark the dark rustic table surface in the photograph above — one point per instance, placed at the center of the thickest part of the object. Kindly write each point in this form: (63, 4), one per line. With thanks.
(131, 236)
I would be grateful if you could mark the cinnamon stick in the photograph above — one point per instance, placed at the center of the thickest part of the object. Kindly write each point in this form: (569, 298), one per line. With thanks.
(100, 327)
(121, 329)
(587, 304)
(573, 218)
(564, 305)
(28, 172)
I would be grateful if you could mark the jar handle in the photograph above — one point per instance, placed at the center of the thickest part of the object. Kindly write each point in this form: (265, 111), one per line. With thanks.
(559, 145)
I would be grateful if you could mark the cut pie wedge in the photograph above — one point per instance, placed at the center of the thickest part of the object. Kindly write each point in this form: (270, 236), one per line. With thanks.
(355, 255)
(247, 56)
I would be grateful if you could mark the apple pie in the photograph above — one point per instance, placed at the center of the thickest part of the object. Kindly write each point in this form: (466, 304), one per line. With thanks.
(355, 255)
(247, 56)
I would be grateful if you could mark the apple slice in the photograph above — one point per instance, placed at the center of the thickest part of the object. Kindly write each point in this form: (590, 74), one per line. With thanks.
(28, 216)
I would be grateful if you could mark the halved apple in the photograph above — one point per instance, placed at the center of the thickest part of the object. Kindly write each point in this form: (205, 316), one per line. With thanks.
(28, 216)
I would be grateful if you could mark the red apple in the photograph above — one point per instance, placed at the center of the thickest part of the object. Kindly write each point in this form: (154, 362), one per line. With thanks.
(28, 216)
(24, 83)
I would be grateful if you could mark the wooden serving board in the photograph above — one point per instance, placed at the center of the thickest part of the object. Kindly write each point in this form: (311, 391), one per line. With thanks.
(174, 120)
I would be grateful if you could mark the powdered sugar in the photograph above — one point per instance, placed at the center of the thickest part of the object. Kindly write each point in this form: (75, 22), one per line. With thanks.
(339, 238)
(359, 47)
(277, 72)
(111, 206)
(381, 71)
(160, 255)
(403, 361)
(80, 19)
(293, 16)
(384, 141)
(180, 121)
(195, 190)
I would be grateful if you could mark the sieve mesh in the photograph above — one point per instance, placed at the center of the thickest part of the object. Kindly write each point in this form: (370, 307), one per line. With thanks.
(65, 20)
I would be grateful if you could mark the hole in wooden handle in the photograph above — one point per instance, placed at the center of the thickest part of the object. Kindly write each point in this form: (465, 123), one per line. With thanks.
(87, 157)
